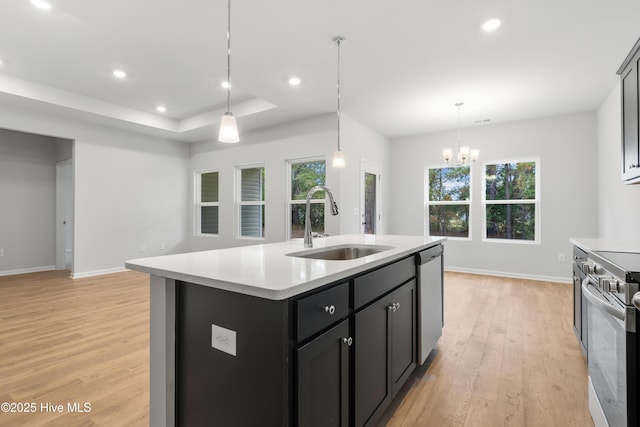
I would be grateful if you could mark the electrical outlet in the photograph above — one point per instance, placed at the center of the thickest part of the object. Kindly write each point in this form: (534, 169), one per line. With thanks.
(1, 252)
(143, 248)
(561, 257)
(223, 339)
(162, 246)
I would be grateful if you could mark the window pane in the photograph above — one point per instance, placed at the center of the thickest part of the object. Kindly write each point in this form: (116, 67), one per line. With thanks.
(209, 187)
(252, 185)
(306, 175)
(511, 221)
(297, 219)
(449, 184)
(449, 220)
(209, 220)
(511, 181)
(252, 221)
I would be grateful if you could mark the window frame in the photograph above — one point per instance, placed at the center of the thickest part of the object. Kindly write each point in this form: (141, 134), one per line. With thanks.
(239, 202)
(428, 203)
(535, 202)
(199, 203)
(290, 202)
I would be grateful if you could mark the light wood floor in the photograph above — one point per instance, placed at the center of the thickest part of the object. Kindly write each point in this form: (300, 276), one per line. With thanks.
(507, 356)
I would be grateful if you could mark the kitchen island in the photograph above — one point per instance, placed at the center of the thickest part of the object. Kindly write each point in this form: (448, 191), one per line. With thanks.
(273, 334)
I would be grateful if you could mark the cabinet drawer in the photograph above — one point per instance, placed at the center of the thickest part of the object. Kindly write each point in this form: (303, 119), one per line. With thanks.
(320, 310)
(370, 286)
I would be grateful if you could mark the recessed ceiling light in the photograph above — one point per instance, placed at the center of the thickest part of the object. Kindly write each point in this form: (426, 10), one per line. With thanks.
(295, 81)
(225, 84)
(119, 74)
(491, 24)
(161, 109)
(41, 4)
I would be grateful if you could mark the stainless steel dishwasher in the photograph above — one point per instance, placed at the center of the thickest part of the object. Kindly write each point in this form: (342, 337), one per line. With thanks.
(430, 300)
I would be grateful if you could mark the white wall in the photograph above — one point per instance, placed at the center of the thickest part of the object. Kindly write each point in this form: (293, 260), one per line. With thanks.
(129, 190)
(273, 147)
(27, 200)
(618, 204)
(566, 147)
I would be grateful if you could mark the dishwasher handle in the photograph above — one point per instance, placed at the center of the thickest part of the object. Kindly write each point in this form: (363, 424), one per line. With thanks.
(599, 303)
(428, 255)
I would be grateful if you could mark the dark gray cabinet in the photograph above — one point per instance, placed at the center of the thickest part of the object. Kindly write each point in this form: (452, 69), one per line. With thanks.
(322, 376)
(628, 73)
(385, 352)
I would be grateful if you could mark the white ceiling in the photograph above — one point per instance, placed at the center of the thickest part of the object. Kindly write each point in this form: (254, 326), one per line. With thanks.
(404, 63)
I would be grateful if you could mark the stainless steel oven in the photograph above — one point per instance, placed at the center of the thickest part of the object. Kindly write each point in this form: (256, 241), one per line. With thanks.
(613, 350)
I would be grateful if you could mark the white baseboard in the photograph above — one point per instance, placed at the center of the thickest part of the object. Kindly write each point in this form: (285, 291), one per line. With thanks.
(555, 279)
(27, 270)
(97, 272)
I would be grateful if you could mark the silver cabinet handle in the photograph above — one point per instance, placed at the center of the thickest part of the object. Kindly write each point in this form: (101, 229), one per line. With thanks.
(348, 341)
(394, 307)
(331, 309)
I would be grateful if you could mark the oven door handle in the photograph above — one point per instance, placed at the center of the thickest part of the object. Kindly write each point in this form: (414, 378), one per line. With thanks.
(595, 300)
(636, 300)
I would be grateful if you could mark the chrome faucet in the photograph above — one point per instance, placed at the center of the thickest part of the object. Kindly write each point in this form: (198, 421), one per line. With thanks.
(308, 241)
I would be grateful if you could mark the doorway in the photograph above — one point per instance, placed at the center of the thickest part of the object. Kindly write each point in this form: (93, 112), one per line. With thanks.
(64, 215)
(370, 190)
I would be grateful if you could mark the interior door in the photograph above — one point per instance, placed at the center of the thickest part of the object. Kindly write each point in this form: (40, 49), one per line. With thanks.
(64, 215)
(370, 198)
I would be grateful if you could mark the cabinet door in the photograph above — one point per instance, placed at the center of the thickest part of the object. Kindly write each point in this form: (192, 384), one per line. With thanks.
(630, 141)
(385, 351)
(372, 391)
(403, 335)
(323, 379)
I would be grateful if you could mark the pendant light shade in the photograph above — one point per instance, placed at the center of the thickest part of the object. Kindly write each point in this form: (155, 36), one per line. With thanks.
(228, 132)
(338, 155)
(338, 159)
(228, 129)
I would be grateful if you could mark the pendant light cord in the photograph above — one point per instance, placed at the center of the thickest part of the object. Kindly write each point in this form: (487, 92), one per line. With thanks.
(228, 55)
(338, 41)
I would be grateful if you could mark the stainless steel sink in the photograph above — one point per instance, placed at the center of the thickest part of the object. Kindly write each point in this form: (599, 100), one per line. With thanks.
(341, 252)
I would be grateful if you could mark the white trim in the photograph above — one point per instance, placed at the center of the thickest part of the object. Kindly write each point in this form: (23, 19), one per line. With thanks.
(98, 272)
(537, 238)
(427, 203)
(287, 197)
(197, 203)
(555, 279)
(27, 270)
(373, 168)
(238, 203)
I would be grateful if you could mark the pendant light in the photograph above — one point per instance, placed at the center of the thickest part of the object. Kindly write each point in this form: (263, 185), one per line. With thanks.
(464, 153)
(338, 156)
(228, 127)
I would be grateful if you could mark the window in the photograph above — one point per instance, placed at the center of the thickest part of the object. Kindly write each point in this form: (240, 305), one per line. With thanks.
(512, 204)
(305, 175)
(448, 201)
(207, 203)
(251, 204)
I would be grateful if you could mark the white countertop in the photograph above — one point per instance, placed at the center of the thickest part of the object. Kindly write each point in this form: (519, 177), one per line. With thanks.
(266, 271)
(611, 245)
